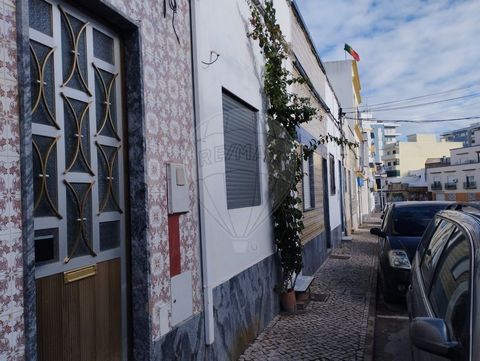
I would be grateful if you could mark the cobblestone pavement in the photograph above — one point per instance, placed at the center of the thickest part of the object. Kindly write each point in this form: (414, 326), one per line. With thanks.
(335, 329)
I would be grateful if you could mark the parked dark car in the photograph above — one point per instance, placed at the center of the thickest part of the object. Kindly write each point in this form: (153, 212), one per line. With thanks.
(398, 237)
(443, 296)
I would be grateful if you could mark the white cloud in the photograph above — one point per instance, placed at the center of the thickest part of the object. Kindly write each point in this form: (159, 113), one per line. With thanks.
(407, 48)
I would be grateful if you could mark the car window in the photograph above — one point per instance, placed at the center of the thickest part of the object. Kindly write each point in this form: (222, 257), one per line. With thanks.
(411, 221)
(427, 235)
(434, 249)
(450, 291)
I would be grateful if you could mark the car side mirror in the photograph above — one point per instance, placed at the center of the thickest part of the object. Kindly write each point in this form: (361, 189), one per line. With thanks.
(431, 335)
(377, 231)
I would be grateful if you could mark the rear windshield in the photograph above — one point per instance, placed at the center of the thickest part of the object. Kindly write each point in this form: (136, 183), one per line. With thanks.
(412, 221)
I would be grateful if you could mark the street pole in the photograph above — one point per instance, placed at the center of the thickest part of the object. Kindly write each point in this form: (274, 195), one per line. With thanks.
(342, 183)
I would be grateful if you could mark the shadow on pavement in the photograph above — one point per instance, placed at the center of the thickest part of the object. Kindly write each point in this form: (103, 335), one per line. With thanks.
(392, 339)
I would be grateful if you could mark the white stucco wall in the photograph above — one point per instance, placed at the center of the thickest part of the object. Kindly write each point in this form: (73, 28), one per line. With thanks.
(233, 239)
(340, 75)
(334, 200)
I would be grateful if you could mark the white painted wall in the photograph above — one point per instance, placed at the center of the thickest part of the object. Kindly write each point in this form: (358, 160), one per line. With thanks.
(334, 200)
(340, 75)
(234, 239)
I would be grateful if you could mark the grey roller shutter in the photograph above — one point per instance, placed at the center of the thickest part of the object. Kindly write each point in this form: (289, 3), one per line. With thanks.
(241, 153)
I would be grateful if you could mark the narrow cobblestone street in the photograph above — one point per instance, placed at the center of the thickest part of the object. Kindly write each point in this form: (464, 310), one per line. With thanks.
(336, 328)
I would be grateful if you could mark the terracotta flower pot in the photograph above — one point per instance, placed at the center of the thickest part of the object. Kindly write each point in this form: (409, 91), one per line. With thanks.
(289, 302)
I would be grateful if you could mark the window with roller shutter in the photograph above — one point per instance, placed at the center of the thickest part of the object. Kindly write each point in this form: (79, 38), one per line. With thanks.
(242, 176)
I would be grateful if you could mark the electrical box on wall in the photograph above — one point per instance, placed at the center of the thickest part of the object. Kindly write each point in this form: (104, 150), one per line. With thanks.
(177, 189)
(182, 297)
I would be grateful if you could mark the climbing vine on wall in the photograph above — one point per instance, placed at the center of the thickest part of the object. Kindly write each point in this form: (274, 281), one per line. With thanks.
(286, 111)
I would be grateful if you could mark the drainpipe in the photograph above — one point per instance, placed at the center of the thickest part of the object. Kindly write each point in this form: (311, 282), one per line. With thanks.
(206, 287)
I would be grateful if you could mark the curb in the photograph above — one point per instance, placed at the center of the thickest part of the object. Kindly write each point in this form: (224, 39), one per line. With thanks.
(370, 335)
(372, 307)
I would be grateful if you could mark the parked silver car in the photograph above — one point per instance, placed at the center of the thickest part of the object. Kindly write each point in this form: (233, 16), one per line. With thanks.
(443, 298)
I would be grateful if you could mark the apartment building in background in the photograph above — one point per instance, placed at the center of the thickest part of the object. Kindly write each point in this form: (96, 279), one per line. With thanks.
(465, 135)
(455, 177)
(403, 156)
(379, 135)
(382, 134)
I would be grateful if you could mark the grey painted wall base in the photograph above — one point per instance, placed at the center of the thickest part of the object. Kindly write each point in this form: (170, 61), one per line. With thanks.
(243, 307)
(314, 254)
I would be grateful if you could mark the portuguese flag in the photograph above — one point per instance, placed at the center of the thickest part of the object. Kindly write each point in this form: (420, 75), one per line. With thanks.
(352, 52)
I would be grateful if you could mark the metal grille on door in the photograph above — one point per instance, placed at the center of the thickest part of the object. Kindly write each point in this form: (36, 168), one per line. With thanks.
(77, 140)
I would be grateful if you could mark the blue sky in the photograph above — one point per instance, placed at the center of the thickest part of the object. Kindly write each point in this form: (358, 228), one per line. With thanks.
(407, 48)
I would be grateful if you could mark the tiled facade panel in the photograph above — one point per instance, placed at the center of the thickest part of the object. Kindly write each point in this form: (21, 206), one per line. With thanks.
(170, 137)
(11, 261)
(168, 100)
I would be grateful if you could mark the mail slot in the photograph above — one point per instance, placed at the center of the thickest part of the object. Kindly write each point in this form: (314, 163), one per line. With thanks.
(79, 273)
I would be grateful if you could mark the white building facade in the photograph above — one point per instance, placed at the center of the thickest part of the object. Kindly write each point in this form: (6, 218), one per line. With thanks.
(455, 177)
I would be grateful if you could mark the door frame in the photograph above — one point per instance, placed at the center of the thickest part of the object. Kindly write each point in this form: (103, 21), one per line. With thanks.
(326, 202)
(138, 272)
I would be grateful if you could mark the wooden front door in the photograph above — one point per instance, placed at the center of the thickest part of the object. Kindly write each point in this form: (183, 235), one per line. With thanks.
(78, 176)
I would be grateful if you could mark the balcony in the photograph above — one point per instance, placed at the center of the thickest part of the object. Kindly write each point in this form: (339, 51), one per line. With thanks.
(436, 186)
(393, 173)
(450, 185)
(391, 167)
(470, 185)
(391, 155)
(465, 161)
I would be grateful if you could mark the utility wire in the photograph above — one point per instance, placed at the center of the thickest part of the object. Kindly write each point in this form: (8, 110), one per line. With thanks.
(453, 108)
(427, 103)
(172, 4)
(420, 120)
(384, 109)
(416, 97)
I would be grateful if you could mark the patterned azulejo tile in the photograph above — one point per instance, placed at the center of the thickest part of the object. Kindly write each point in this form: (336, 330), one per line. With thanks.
(9, 136)
(12, 337)
(11, 277)
(10, 202)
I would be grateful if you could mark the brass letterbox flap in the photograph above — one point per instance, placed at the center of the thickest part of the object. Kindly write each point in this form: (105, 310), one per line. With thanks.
(79, 273)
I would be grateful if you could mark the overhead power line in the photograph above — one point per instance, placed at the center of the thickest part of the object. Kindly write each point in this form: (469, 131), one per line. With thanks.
(420, 120)
(384, 109)
(368, 106)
